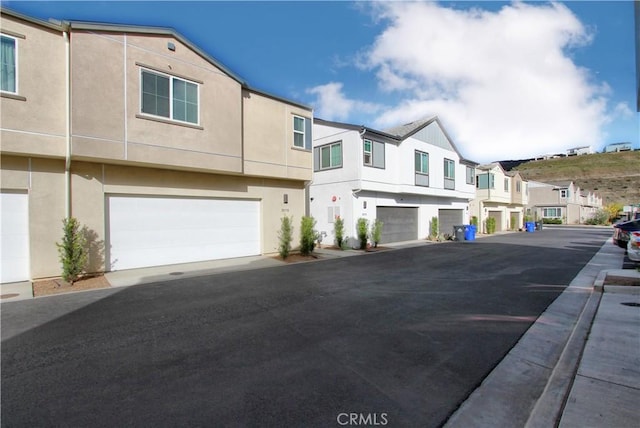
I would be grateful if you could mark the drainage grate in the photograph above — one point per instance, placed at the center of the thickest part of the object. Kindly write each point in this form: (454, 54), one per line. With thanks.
(176, 273)
(633, 304)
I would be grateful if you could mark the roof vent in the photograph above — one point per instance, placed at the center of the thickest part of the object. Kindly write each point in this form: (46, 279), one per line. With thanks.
(171, 46)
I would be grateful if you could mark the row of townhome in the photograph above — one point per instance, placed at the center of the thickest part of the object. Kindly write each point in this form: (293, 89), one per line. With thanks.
(404, 177)
(166, 156)
(564, 201)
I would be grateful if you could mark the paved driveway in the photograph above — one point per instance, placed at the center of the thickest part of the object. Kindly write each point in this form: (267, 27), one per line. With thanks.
(400, 337)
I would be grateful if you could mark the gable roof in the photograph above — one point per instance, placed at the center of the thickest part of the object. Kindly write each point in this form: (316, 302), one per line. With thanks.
(399, 133)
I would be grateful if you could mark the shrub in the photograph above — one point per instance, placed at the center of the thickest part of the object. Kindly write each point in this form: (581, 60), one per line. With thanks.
(474, 221)
(552, 221)
(433, 228)
(72, 251)
(338, 232)
(362, 229)
(599, 217)
(376, 231)
(513, 225)
(308, 235)
(491, 225)
(285, 236)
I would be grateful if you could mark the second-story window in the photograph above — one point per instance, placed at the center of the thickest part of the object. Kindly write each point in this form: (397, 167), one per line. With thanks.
(564, 193)
(471, 175)
(169, 97)
(8, 71)
(506, 184)
(422, 168)
(485, 181)
(302, 132)
(449, 174)
(373, 153)
(328, 156)
(518, 186)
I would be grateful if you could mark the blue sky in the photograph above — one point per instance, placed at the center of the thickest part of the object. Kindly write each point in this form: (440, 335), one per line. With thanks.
(507, 80)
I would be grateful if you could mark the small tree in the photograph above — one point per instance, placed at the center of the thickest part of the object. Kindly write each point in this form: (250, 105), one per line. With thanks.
(308, 235)
(613, 209)
(362, 228)
(72, 251)
(491, 225)
(285, 236)
(433, 228)
(338, 231)
(376, 232)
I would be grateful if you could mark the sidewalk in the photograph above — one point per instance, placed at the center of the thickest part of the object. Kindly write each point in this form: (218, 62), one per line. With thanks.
(578, 365)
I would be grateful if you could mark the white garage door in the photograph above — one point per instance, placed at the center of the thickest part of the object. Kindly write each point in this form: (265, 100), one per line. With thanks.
(154, 231)
(14, 237)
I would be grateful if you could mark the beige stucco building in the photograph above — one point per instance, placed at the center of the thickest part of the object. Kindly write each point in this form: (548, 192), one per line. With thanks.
(160, 151)
(502, 195)
(563, 201)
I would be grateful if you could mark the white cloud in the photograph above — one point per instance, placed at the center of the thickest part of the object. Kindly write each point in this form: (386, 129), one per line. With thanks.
(502, 82)
(332, 104)
(623, 110)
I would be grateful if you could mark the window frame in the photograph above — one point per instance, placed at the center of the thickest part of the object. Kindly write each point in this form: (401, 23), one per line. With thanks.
(449, 168)
(16, 70)
(295, 131)
(377, 155)
(421, 177)
(329, 146)
(369, 152)
(506, 184)
(172, 78)
(471, 175)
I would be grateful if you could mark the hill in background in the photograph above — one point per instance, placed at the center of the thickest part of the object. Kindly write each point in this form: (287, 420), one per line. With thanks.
(613, 176)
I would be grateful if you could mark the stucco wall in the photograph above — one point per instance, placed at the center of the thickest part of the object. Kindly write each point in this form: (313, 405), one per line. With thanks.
(35, 121)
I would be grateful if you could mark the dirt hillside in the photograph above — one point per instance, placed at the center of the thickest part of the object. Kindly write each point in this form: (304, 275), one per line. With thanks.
(614, 176)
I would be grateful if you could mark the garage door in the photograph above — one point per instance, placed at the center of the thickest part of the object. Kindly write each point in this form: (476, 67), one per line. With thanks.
(449, 218)
(14, 237)
(400, 223)
(154, 231)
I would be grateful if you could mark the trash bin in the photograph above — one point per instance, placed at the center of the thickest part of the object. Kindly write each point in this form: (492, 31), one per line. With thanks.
(531, 226)
(469, 232)
(539, 225)
(458, 233)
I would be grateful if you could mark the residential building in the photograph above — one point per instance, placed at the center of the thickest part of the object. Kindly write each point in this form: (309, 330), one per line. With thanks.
(562, 200)
(404, 177)
(577, 151)
(618, 147)
(500, 195)
(159, 150)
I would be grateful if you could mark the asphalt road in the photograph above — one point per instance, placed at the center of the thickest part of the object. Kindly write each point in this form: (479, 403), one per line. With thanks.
(399, 337)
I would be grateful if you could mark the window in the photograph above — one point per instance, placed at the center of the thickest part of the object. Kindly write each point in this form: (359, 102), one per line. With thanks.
(471, 175)
(169, 97)
(302, 132)
(449, 174)
(552, 212)
(518, 186)
(485, 181)
(506, 184)
(564, 193)
(328, 156)
(373, 153)
(8, 74)
(422, 168)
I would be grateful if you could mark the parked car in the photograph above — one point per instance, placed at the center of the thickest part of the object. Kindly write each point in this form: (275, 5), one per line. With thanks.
(621, 232)
(633, 247)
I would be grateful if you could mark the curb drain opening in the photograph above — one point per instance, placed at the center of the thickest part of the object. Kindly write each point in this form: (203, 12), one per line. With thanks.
(632, 304)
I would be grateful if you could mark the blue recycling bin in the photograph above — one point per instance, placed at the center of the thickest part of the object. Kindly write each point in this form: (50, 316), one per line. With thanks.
(469, 232)
(531, 226)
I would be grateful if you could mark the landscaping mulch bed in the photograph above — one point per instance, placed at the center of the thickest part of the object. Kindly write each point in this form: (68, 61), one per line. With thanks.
(297, 257)
(621, 280)
(57, 285)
